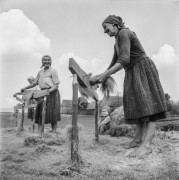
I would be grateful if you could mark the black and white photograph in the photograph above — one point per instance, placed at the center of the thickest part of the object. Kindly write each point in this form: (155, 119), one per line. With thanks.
(89, 89)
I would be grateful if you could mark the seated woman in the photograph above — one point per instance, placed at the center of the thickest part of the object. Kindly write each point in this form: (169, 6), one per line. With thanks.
(31, 110)
(104, 122)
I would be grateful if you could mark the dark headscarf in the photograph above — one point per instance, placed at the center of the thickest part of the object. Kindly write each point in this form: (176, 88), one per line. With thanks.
(45, 57)
(112, 19)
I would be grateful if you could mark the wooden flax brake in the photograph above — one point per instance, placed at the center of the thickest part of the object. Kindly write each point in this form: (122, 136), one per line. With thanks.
(84, 80)
(36, 95)
(82, 77)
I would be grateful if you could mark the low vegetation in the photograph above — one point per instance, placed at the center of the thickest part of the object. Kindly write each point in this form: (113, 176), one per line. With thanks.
(26, 156)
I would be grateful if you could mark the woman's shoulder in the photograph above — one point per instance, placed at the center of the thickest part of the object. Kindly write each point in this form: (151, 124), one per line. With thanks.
(125, 31)
(53, 70)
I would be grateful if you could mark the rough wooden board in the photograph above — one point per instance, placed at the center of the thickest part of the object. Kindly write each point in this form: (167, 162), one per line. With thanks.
(169, 124)
(82, 77)
(32, 106)
(40, 93)
(36, 93)
(169, 119)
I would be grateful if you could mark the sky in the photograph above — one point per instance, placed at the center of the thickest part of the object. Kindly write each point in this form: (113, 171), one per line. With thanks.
(68, 28)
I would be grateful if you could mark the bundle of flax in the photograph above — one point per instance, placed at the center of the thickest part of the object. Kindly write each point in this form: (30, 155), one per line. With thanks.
(84, 91)
(108, 86)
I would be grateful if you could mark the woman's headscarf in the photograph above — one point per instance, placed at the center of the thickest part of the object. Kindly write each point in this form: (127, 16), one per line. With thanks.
(107, 108)
(112, 19)
(45, 57)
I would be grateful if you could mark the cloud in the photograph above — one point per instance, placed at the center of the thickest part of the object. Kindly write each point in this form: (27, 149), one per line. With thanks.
(94, 65)
(22, 45)
(20, 34)
(167, 62)
(10, 101)
(166, 57)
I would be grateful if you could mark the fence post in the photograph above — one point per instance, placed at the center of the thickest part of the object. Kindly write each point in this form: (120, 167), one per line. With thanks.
(96, 121)
(43, 116)
(22, 118)
(74, 134)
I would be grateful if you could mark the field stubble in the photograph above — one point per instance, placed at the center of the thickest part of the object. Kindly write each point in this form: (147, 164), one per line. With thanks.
(26, 156)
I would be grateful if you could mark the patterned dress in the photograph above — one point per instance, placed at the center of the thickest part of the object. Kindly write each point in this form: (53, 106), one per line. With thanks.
(143, 94)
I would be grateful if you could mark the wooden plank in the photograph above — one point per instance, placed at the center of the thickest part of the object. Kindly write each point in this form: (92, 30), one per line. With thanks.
(35, 94)
(22, 119)
(43, 116)
(169, 119)
(40, 93)
(74, 135)
(169, 125)
(96, 121)
(32, 106)
(82, 77)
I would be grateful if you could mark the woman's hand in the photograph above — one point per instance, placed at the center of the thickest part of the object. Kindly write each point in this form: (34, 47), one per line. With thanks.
(94, 80)
(23, 89)
(98, 79)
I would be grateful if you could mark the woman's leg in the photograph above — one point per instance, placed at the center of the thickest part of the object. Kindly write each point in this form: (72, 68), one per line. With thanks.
(138, 136)
(150, 133)
(39, 128)
(145, 147)
(54, 127)
(101, 129)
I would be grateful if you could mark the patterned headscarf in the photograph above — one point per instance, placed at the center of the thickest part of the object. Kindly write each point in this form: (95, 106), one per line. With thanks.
(43, 59)
(112, 19)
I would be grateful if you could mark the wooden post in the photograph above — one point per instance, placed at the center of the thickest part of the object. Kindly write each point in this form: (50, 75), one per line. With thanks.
(82, 77)
(74, 135)
(96, 121)
(84, 80)
(33, 122)
(22, 118)
(43, 116)
(15, 115)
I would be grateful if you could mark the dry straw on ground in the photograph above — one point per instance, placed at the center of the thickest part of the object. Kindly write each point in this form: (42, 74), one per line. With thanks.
(49, 139)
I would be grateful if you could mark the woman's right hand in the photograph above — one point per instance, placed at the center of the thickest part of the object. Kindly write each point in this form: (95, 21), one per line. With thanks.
(23, 89)
(94, 80)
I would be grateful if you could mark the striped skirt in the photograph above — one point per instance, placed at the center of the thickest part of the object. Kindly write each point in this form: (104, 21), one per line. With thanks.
(143, 93)
(52, 109)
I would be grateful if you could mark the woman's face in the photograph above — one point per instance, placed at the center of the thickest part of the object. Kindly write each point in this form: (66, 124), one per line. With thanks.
(109, 29)
(47, 62)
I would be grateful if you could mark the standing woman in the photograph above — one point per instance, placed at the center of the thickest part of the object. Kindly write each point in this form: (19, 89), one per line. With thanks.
(47, 78)
(143, 97)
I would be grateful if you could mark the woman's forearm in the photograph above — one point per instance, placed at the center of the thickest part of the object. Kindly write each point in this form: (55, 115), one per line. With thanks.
(53, 88)
(30, 86)
(113, 69)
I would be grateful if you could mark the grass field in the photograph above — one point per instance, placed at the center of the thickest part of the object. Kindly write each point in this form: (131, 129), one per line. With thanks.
(26, 157)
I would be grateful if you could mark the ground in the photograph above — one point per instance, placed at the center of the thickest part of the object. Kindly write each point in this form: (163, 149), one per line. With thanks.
(24, 156)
